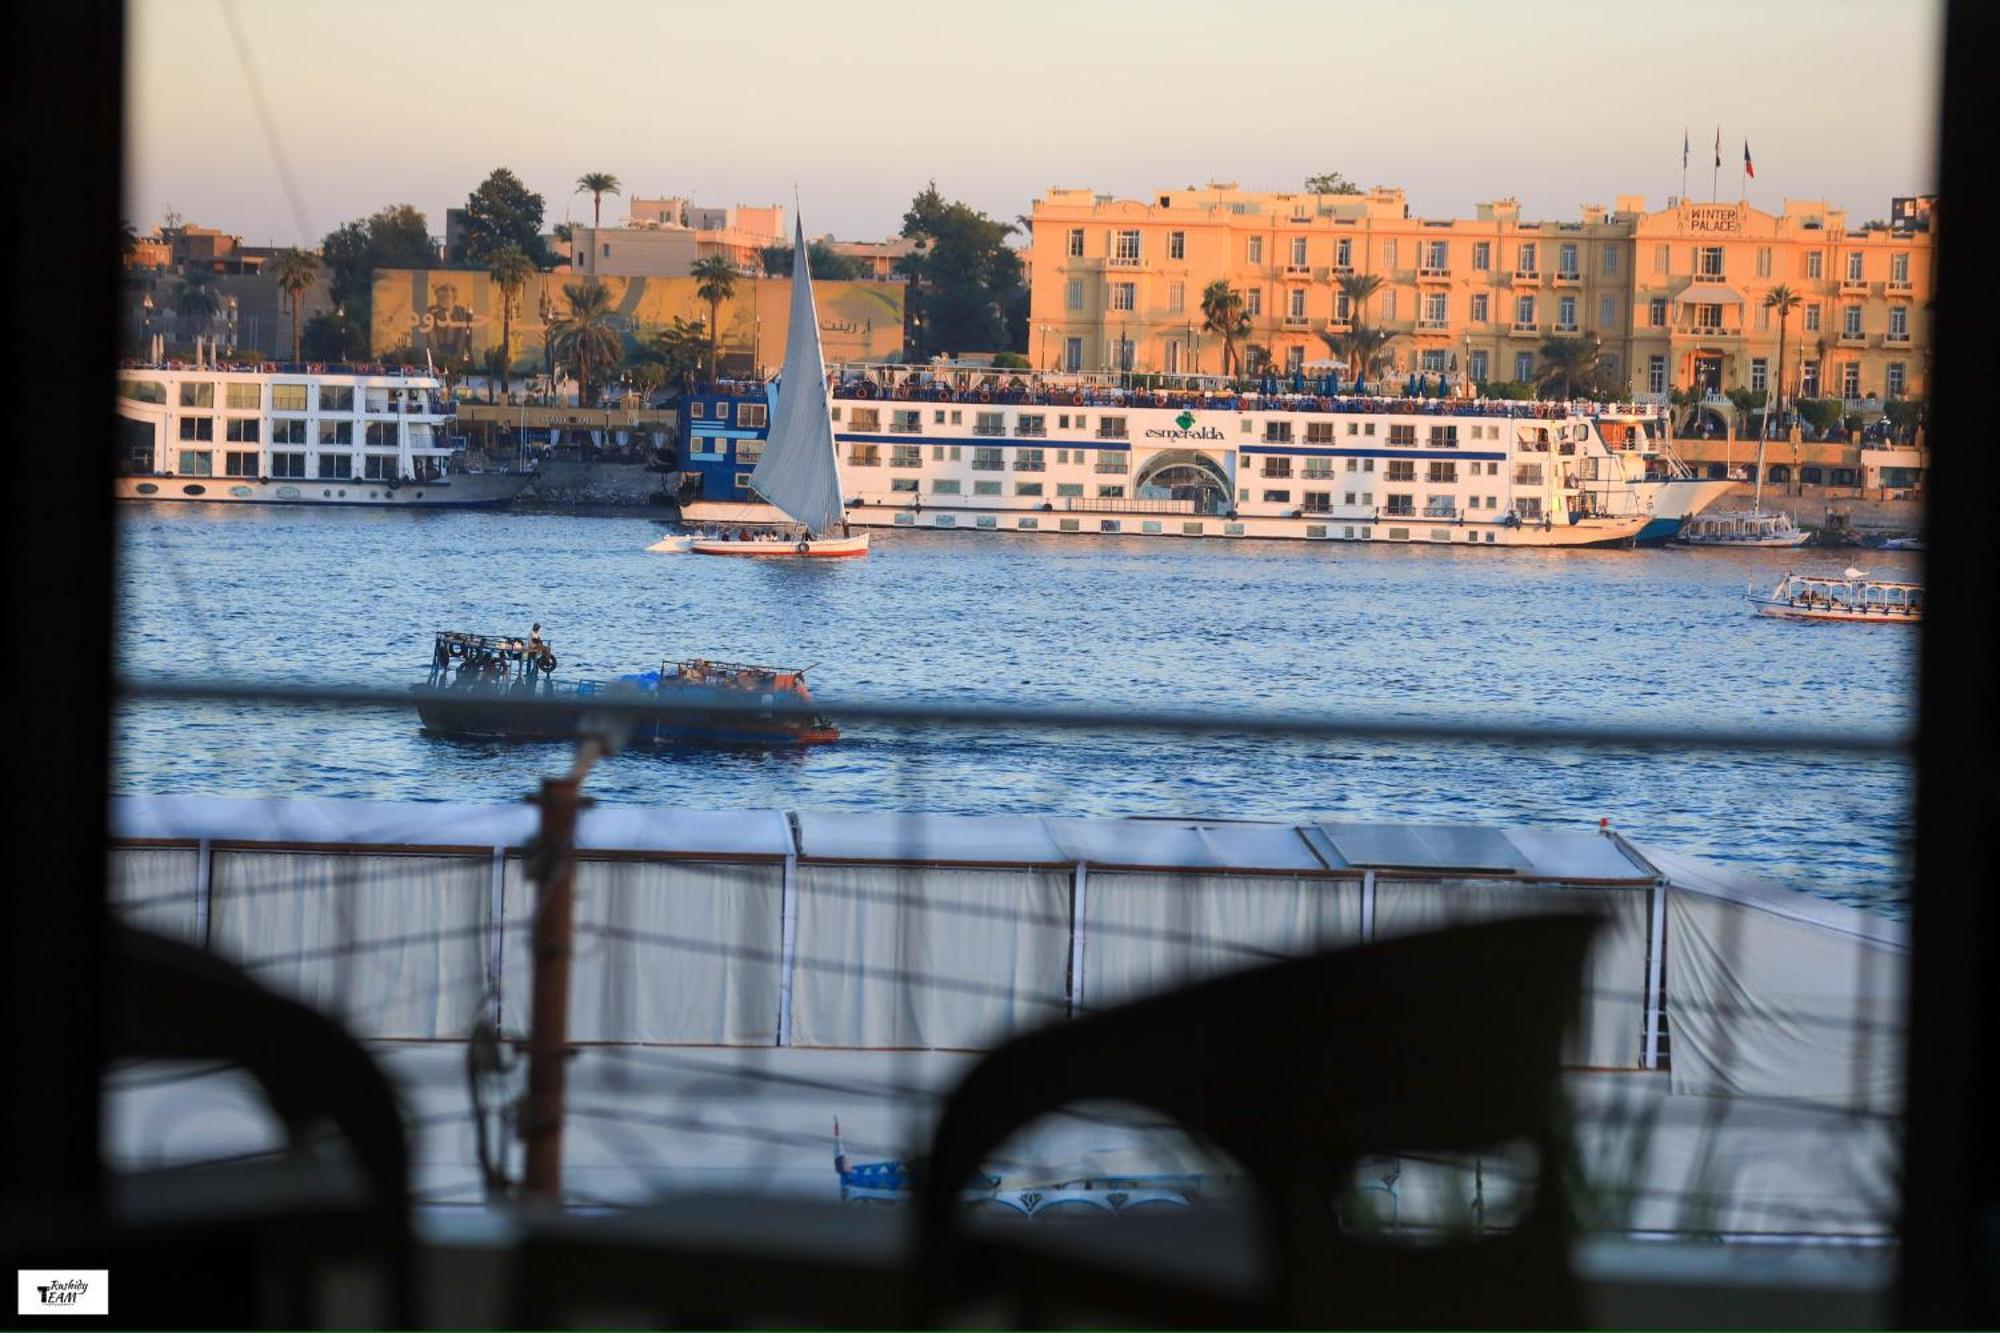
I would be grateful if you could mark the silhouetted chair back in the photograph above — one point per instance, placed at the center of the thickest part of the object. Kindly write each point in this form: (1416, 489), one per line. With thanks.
(1447, 1042)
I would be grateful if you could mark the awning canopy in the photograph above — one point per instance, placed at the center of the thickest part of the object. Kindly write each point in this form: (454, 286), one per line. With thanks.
(1710, 293)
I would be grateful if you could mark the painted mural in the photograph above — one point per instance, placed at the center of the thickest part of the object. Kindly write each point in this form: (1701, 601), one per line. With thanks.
(454, 314)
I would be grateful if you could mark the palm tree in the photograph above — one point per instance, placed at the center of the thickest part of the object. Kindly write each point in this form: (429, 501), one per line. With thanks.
(1568, 364)
(510, 269)
(1783, 300)
(1365, 349)
(679, 349)
(197, 298)
(715, 282)
(1357, 288)
(597, 184)
(295, 271)
(1222, 313)
(584, 337)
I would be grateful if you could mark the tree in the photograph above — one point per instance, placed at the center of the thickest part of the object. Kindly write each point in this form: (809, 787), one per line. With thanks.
(1747, 402)
(1358, 288)
(966, 289)
(1223, 314)
(510, 269)
(1688, 400)
(394, 237)
(1366, 350)
(501, 212)
(1822, 415)
(333, 335)
(680, 350)
(826, 263)
(715, 282)
(1783, 300)
(596, 184)
(584, 337)
(1569, 367)
(295, 271)
(1331, 182)
(197, 299)
(1906, 417)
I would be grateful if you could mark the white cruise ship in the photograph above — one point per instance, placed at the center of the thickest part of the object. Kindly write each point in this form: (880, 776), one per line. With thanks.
(293, 434)
(996, 451)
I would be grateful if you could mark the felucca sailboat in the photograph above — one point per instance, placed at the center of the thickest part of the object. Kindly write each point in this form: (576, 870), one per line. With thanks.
(799, 472)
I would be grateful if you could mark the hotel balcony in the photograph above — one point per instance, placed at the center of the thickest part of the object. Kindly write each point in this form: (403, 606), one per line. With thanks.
(1297, 322)
(1111, 433)
(1893, 339)
(1030, 465)
(906, 462)
(1710, 331)
(1848, 339)
(1527, 277)
(1569, 280)
(1899, 287)
(981, 428)
(1851, 287)
(1566, 328)
(1520, 330)
(1034, 432)
(1125, 261)
(1433, 325)
(1339, 324)
(1117, 465)
(906, 427)
(988, 465)
(1298, 270)
(1440, 274)
(864, 460)
(1343, 270)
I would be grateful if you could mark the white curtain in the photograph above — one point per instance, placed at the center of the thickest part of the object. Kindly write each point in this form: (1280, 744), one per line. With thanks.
(1151, 932)
(666, 951)
(1759, 1004)
(393, 945)
(931, 957)
(154, 888)
(1610, 1030)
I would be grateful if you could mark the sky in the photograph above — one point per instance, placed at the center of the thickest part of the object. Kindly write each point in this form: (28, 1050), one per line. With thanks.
(1554, 102)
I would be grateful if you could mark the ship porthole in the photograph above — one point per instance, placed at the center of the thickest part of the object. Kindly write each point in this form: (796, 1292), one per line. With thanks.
(148, 488)
(194, 490)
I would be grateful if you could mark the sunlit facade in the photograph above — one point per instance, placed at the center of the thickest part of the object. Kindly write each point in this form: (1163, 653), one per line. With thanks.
(1675, 296)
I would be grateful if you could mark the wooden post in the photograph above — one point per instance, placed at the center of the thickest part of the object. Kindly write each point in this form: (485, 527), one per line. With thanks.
(554, 869)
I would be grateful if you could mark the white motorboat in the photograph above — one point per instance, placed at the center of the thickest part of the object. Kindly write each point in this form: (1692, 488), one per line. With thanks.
(1751, 528)
(799, 472)
(1848, 596)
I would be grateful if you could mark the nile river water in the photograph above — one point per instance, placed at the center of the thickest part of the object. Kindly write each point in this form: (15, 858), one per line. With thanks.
(1647, 637)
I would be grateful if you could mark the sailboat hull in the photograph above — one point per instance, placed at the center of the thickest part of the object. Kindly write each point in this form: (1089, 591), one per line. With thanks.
(816, 548)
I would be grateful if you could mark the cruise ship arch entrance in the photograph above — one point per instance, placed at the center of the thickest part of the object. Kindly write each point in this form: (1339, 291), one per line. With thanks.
(1185, 474)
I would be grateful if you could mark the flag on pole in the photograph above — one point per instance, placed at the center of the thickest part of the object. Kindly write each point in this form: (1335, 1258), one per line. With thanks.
(1718, 146)
(1684, 150)
(1749, 167)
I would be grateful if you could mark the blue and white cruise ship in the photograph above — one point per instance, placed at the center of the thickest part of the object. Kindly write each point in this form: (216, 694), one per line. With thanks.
(994, 450)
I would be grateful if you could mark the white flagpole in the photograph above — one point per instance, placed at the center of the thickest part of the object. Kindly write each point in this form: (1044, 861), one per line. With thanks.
(1716, 174)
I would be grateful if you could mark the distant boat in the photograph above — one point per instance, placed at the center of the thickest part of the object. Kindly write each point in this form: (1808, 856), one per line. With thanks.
(1903, 544)
(799, 471)
(1848, 596)
(1744, 528)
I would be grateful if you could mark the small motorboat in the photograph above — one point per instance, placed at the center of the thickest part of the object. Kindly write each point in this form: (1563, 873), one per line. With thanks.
(1849, 596)
(1903, 544)
(679, 543)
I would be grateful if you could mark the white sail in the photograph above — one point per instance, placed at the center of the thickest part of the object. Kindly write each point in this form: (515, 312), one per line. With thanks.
(799, 472)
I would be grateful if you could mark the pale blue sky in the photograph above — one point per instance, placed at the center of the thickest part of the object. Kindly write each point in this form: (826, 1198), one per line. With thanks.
(1558, 102)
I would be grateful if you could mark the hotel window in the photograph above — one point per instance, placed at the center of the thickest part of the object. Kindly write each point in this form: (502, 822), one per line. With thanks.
(379, 435)
(1526, 262)
(1663, 259)
(945, 486)
(1070, 490)
(1401, 469)
(1400, 505)
(1850, 380)
(1898, 381)
(1482, 255)
(1815, 263)
(1528, 507)
(1177, 245)
(288, 432)
(239, 465)
(1403, 436)
(1708, 316)
(196, 463)
(1124, 295)
(1566, 259)
(1176, 297)
(288, 465)
(336, 398)
(195, 394)
(1389, 253)
(1441, 471)
(1076, 242)
(903, 484)
(1122, 351)
(1480, 307)
(336, 432)
(986, 488)
(1812, 317)
(1760, 374)
(1298, 252)
(1343, 309)
(699, 411)
(1434, 307)
(1527, 474)
(1253, 302)
(906, 455)
(1763, 261)
(1111, 428)
(1256, 250)
(250, 396)
(1708, 261)
(1029, 460)
(379, 467)
(1476, 366)
(1277, 497)
(1437, 359)
(865, 420)
(1033, 488)
(1318, 432)
(1437, 255)
(1809, 380)
(1296, 303)
(722, 411)
(1524, 310)
(1073, 355)
(1610, 262)
(197, 428)
(1854, 266)
(1899, 322)
(1607, 313)
(1343, 252)
(1319, 502)
(1524, 367)
(288, 397)
(1899, 267)
(1763, 317)
(1850, 321)
(336, 467)
(1110, 492)
(1389, 304)
(1656, 374)
(1126, 247)
(1566, 315)
(241, 431)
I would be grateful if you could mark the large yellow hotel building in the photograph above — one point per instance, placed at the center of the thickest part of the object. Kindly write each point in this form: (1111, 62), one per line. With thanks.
(1676, 296)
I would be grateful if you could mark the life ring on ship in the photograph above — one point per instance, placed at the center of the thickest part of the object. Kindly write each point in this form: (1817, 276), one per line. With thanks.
(863, 390)
(548, 662)
(985, 397)
(803, 548)
(455, 650)
(1076, 400)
